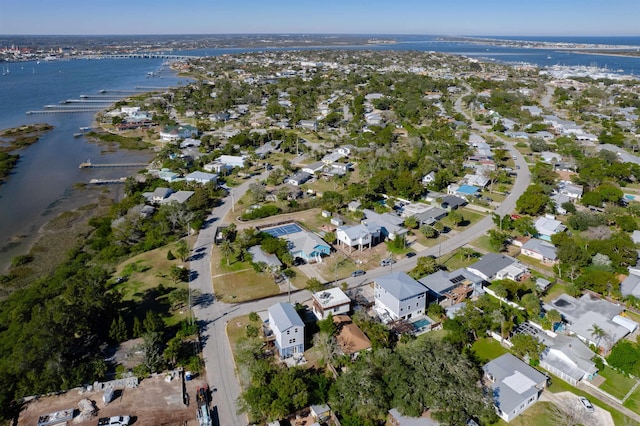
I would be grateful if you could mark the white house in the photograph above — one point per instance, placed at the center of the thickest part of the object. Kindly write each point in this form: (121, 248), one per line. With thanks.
(331, 301)
(354, 236)
(313, 168)
(568, 358)
(288, 329)
(232, 161)
(515, 385)
(201, 177)
(429, 178)
(298, 178)
(497, 266)
(571, 190)
(173, 133)
(399, 296)
(548, 226)
(541, 250)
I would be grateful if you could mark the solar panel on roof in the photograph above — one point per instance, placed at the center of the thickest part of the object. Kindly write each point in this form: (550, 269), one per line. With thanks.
(457, 279)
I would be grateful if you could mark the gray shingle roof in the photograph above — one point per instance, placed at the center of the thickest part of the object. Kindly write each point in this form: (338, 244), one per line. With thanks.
(491, 263)
(400, 285)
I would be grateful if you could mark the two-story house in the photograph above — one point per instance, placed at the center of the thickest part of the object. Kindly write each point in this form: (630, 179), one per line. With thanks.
(288, 329)
(400, 296)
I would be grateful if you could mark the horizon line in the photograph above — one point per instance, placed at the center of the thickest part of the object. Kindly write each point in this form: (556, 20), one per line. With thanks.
(285, 33)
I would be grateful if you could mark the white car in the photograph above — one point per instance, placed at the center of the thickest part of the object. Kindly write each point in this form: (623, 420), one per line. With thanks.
(586, 404)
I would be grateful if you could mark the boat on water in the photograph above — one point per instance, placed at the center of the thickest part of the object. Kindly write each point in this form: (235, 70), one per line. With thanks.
(77, 135)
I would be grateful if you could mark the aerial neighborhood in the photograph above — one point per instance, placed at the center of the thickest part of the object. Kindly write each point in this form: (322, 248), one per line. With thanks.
(370, 237)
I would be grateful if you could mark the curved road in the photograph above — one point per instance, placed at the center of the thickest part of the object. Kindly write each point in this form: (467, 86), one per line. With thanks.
(213, 315)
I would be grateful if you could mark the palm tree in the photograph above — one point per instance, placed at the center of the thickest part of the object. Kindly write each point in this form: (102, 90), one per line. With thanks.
(597, 332)
(226, 248)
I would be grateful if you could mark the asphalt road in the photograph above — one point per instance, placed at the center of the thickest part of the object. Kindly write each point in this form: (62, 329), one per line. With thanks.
(213, 315)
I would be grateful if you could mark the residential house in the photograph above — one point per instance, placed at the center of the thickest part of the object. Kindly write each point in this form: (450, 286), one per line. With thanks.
(558, 200)
(320, 413)
(477, 180)
(288, 329)
(355, 236)
(541, 250)
(515, 385)
(314, 168)
(308, 125)
(267, 148)
(333, 157)
(584, 314)
(571, 190)
(298, 178)
(550, 157)
(332, 301)
(452, 202)
(532, 109)
(568, 358)
(179, 197)
(454, 287)
(201, 178)
(546, 226)
(270, 260)
(168, 175)
(231, 161)
(493, 266)
(631, 285)
(399, 296)
(429, 178)
(354, 206)
(390, 225)
(174, 133)
(307, 246)
(158, 194)
(430, 216)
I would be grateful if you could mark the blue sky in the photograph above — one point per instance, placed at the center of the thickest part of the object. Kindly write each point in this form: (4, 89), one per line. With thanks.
(447, 17)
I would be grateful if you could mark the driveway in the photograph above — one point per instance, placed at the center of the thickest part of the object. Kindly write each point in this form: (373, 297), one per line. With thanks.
(569, 403)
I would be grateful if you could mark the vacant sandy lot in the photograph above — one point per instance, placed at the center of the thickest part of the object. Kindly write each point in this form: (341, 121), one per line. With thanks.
(154, 402)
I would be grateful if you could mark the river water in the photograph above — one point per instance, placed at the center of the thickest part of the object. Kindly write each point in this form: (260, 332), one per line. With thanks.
(42, 184)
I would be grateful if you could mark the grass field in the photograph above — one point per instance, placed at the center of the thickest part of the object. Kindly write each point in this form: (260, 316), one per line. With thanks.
(146, 274)
(537, 415)
(488, 349)
(616, 384)
(633, 402)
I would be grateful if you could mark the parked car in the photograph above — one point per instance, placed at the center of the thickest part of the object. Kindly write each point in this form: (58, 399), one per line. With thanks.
(586, 404)
(114, 421)
(411, 254)
(358, 273)
(387, 262)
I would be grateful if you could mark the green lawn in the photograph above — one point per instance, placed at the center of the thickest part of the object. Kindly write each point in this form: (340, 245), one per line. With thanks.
(456, 260)
(633, 403)
(488, 349)
(617, 384)
(482, 243)
(538, 414)
(554, 291)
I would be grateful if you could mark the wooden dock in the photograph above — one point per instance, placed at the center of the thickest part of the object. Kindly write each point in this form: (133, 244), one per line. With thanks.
(90, 165)
(64, 111)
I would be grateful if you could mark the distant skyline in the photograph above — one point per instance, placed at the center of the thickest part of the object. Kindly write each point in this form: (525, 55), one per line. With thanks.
(454, 17)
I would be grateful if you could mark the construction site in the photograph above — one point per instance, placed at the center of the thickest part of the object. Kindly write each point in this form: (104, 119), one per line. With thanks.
(163, 399)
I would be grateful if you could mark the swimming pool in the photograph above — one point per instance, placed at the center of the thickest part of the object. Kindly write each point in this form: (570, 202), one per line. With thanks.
(422, 323)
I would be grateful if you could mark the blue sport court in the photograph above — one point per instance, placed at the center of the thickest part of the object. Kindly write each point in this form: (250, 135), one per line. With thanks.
(279, 231)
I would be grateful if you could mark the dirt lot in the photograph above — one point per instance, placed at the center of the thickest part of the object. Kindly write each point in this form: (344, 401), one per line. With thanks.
(154, 402)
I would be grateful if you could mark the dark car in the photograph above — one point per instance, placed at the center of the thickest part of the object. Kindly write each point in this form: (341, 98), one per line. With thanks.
(358, 273)
(411, 254)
